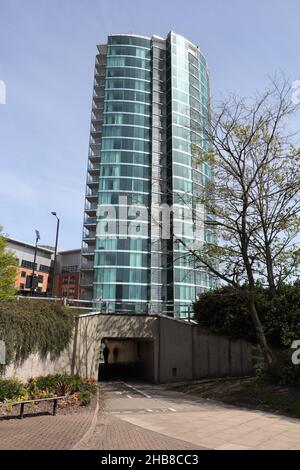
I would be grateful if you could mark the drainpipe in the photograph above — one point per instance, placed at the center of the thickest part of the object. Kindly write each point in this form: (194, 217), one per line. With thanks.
(74, 346)
(159, 349)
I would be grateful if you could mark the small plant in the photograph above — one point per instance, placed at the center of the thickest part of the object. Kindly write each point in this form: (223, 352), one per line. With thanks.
(63, 388)
(77, 389)
(11, 389)
(84, 397)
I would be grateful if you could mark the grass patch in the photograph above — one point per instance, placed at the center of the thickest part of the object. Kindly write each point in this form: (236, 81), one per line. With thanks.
(247, 392)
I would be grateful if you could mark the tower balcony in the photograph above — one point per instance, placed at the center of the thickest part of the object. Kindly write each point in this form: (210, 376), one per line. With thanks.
(91, 207)
(94, 168)
(96, 116)
(88, 251)
(90, 221)
(86, 281)
(92, 195)
(92, 181)
(98, 106)
(95, 147)
(87, 266)
(89, 238)
(94, 157)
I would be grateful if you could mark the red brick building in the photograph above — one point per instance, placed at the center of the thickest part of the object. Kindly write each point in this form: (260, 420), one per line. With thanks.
(67, 281)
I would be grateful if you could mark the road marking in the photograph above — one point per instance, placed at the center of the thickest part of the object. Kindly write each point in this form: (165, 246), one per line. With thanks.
(136, 390)
(171, 409)
(128, 396)
(150, 411)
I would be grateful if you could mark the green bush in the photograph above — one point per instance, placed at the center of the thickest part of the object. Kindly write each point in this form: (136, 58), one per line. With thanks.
(84, 397)
(48, 386)
(29, 326)
(11, 389)
(282, 371)
(224, 311)
(64, 384)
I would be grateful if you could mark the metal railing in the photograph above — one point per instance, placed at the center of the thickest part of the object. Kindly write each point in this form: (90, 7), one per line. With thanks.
(178, 310)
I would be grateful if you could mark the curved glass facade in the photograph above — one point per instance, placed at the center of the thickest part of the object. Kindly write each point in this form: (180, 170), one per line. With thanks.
(121, 266)
(150, 106)
(188, 117)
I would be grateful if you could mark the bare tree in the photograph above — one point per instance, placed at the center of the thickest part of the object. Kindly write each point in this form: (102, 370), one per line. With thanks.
(252, 202)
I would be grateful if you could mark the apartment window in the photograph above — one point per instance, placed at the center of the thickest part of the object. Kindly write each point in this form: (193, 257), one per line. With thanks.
(44, 268)
(28, 264)
(23, 274)
(69, 269)
(72, 280)
(40, 279)
(22, 286)
(66, 280)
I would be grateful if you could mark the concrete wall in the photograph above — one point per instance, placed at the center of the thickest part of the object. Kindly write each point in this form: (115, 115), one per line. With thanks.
(170, 350)
(80, 357)
(188, 352)
(175, 350)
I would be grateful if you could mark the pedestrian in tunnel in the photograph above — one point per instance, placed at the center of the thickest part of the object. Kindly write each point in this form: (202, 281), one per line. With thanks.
(106, 354)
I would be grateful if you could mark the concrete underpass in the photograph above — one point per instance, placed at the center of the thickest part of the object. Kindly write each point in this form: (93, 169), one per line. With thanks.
(129, 358)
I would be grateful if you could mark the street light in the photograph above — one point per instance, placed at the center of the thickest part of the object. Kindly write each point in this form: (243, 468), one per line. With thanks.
(55, 252)
(32, 286)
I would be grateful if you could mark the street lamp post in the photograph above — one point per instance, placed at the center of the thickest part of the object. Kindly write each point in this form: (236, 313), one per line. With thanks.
(37, 238)
(55, 252)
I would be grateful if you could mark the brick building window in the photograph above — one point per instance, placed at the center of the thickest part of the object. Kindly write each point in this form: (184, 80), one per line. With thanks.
(28, 264)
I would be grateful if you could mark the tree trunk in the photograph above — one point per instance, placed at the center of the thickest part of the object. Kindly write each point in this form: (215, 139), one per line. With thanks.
(269, 265)
(259, 331)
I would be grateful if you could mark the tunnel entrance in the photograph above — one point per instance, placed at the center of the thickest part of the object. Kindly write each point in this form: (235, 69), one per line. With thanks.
(126, 358)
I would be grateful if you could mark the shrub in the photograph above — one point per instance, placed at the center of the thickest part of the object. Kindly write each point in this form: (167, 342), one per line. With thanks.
(224, 311)
(29, 326)
(11, 389)
(77, 388)
(282, 371)
(64, 384)
(84, 397)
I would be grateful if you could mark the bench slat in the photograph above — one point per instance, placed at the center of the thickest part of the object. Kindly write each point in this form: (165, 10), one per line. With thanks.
(37, 399)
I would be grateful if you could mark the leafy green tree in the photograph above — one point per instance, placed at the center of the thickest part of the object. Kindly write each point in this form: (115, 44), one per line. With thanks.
(8, 270)
(225, 311)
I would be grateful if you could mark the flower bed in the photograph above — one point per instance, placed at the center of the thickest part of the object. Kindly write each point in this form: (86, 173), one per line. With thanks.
(79, 391)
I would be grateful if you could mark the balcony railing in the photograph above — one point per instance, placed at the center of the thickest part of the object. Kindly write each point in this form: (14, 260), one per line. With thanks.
(89, 236)
(90, 220)
(90, 207)
(91, 193)
(97, 94)
(92, 179)
(87, 266)
(96, 130)
(94, 167)
(86, 282)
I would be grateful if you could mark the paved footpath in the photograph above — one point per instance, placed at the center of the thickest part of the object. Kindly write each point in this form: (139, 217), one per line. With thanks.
(140, 416)
(46, 432)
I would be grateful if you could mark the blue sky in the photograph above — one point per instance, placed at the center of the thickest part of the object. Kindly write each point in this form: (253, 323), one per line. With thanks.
(47, 51)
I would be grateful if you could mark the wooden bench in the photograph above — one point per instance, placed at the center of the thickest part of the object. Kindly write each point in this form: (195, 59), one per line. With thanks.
(37, 400)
